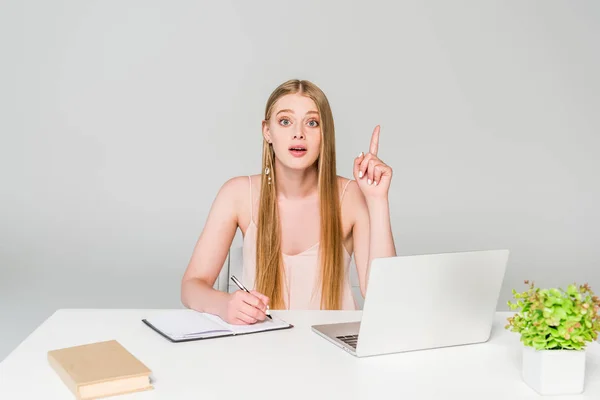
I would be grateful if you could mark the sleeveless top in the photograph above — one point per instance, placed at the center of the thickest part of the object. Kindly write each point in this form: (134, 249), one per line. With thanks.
(302, 287)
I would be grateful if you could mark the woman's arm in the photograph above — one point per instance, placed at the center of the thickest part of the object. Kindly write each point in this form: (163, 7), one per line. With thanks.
(207, 259)
(372, 232)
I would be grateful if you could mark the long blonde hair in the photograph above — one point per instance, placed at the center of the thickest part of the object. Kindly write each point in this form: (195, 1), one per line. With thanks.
(269, 260)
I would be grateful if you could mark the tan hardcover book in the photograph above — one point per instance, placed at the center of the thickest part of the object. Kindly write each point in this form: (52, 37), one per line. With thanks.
(101, 369)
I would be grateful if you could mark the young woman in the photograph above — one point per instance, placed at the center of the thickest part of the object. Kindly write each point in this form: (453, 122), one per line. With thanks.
(301, 222)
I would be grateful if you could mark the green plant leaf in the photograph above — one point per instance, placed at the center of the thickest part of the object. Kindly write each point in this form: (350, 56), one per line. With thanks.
(548, 316)
(538, 346)
(574, 318)
(559, 313)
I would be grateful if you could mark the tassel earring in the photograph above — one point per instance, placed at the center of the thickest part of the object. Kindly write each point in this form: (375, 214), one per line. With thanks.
(269, 162)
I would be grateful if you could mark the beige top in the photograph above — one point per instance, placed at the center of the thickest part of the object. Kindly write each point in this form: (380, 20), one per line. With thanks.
(301, 290)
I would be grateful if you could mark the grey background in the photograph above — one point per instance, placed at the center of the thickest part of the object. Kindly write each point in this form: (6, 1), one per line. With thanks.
(120, 120)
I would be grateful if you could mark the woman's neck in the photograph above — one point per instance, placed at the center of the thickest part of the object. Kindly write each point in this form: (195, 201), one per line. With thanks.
(296, 184)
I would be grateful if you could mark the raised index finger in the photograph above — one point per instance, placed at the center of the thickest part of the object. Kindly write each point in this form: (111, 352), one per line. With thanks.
(374, 141)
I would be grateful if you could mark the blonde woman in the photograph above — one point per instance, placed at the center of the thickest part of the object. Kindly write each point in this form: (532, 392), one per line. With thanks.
(301, 222)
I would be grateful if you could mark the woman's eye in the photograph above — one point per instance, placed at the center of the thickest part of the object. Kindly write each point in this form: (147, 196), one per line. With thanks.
(284, 121)
(313, 123)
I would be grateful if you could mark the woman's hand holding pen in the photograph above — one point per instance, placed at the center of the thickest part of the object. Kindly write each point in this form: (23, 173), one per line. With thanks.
(245, 307)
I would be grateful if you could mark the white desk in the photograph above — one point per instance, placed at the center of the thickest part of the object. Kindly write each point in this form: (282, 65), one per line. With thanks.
(288, 364)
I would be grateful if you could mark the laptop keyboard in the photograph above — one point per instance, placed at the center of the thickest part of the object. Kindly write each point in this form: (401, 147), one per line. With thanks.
(350, 340)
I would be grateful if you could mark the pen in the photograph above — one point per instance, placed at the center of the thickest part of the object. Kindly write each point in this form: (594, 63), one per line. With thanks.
(242, 287)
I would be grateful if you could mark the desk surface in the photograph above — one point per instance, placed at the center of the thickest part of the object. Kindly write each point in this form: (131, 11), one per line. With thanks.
(290, 364)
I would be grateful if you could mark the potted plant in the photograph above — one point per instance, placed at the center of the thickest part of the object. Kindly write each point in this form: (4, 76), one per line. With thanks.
(555, 327)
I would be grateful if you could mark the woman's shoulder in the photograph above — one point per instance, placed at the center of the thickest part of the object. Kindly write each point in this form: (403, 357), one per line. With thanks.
(346, 185)
(236, 185)
(237, 193)
(242, 186)
(351, 196)
(237, 190)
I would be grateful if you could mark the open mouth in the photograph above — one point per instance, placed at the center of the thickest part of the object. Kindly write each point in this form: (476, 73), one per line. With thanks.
(298, 151)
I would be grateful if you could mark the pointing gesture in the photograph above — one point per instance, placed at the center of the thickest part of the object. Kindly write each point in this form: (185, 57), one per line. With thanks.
(374, 141)
(372, 175)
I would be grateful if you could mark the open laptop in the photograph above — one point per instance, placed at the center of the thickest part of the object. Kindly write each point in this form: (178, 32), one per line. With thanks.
(424, 302)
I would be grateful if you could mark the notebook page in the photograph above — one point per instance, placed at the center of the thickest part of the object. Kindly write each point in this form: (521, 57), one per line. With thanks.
(182, 324)
(266, 325)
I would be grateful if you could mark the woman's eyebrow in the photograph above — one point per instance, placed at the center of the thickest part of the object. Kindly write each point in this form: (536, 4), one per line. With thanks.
(292, 111)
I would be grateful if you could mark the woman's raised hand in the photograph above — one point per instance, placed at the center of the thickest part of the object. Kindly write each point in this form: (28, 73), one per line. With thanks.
(372, 175)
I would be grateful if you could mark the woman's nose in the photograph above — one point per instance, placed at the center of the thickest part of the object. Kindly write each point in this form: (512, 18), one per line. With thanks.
(298, 134)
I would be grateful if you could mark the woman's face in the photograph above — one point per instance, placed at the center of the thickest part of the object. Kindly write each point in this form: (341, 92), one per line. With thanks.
(294, 129)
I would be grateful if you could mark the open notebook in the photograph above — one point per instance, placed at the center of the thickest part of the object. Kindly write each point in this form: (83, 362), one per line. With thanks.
(185, 325)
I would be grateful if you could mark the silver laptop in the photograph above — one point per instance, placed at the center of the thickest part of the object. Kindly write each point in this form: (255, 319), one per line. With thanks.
(424, 302)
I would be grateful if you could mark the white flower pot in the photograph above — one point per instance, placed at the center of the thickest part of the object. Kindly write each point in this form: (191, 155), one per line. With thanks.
(554, 372)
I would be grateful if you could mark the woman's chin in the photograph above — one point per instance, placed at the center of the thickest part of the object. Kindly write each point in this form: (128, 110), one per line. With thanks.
(299, 164)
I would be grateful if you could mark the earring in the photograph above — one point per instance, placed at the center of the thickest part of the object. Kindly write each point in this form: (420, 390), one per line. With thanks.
(267, 171)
